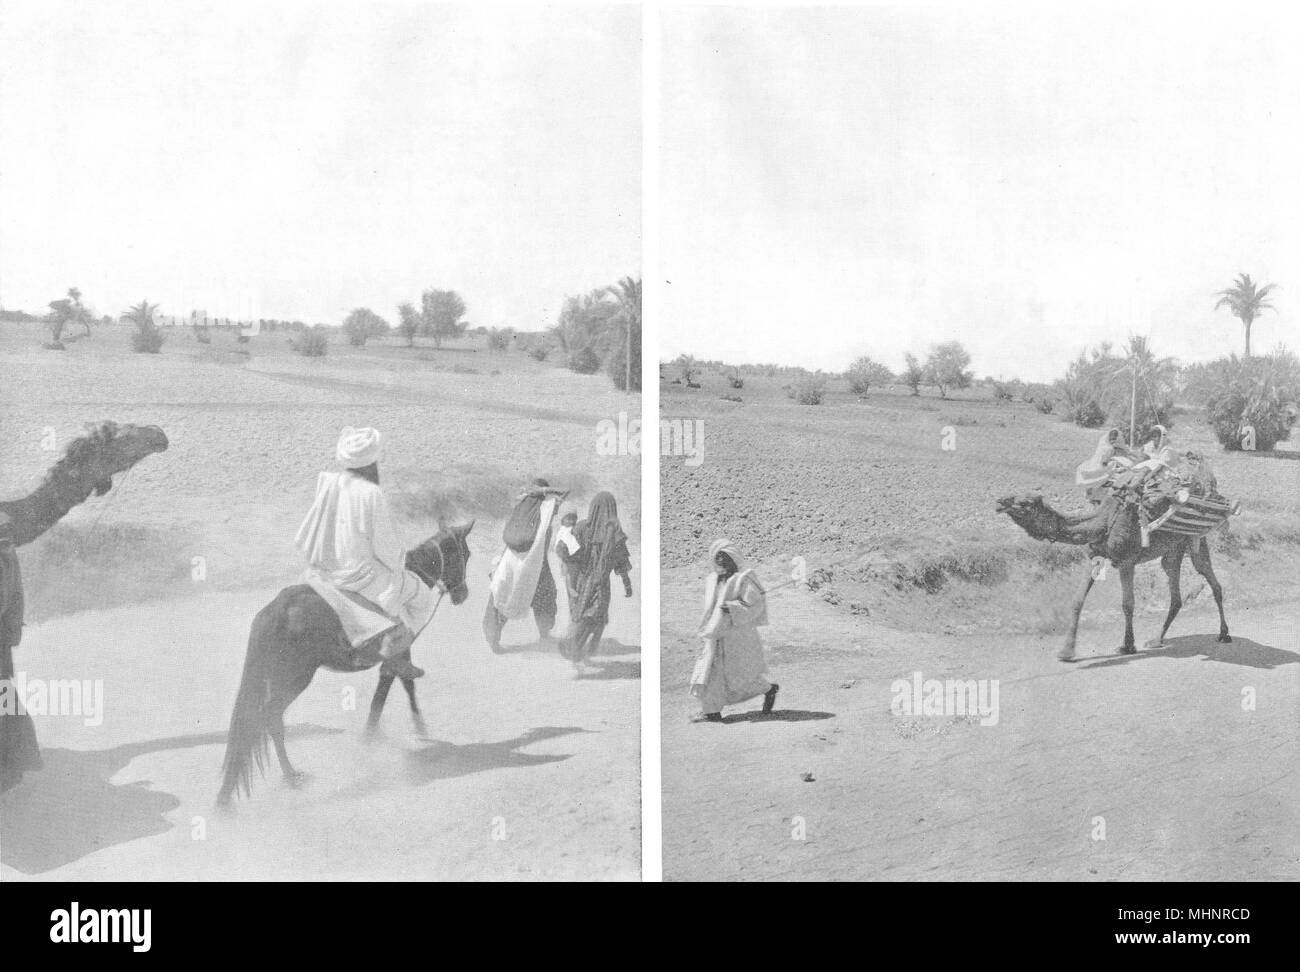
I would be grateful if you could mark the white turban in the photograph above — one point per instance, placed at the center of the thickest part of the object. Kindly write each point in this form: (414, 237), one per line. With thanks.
(358, 447)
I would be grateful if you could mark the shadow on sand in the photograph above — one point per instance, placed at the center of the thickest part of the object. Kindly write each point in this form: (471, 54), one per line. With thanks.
(1241, 651)
(779, 715)
(70, 809)
(550, 646)
(598, 669)
(441, 760)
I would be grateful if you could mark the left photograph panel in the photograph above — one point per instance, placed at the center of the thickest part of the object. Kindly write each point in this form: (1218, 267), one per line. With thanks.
(320, 335)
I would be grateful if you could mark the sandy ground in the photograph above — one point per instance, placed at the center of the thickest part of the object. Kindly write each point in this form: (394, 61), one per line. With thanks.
(528, 772)
(1157, 747)
(518, 749)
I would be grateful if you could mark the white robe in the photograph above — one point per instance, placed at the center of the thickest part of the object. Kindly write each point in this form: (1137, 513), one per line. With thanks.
(515, 576)
(356, 561)
(732, 667)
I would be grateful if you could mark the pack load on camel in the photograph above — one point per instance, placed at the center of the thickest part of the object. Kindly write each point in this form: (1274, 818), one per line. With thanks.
(1182, 498)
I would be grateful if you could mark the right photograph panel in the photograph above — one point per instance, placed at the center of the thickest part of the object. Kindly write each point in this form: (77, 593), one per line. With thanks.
(980, 502)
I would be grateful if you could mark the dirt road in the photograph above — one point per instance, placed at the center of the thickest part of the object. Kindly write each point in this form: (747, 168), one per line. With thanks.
(528, 773)
(1175, 763)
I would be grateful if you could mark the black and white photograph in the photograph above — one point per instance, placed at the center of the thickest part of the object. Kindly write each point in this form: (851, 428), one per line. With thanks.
(978, 485)
(320, 333)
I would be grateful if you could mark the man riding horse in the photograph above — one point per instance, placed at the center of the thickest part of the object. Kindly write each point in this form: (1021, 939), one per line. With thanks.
(356, 561)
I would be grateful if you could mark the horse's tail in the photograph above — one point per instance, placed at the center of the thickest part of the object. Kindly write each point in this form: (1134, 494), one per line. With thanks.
(246, 742)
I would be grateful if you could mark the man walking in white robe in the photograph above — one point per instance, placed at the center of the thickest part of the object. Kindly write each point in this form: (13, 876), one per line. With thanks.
(355, 559)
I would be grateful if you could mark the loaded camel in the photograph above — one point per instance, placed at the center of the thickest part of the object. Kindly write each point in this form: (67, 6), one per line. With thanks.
(1113, 530)
(87, 466)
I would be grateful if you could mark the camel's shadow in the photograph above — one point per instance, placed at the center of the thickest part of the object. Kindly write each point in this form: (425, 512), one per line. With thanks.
(69, 809)
(779, 715)
(441, 760)
(1240, 651)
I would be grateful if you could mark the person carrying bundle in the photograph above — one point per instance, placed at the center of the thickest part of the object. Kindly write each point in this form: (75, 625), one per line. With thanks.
(521, 577)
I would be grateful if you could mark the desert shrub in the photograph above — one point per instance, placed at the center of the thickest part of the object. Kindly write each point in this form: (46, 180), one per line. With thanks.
(1087, 413)
(735, 380)
(932, 572)
(539, 351)
(312, 344)
(811, 391)
(864, 372)
(584, 361)
(1035, 391)
(147, 338)
(1255, 394)
(499, 338)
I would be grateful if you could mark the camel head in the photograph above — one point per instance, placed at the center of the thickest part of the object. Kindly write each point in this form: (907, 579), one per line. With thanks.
(1031, 514)
(107, 449)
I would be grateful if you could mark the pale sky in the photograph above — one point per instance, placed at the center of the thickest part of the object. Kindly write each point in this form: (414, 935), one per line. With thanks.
(297, 160)
(838, 182)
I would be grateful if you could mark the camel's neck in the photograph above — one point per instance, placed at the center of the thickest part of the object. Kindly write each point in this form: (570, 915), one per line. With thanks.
(47, 505)
(1080, 529)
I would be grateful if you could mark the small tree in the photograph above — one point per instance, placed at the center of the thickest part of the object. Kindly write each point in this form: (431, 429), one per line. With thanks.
(913, 374)
(864, 373)
(947, 367)
(441, 312)
(408, 323)
(363, 324)
(147, 338)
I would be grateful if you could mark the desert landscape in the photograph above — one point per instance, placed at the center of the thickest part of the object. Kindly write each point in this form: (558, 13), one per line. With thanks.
(527, 772)
(1119, 767)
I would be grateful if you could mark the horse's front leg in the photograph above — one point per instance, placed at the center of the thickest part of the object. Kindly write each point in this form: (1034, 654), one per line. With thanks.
(416, 715)
(377, 702)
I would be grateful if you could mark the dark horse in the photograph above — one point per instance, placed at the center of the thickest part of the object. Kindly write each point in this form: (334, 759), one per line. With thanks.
(296, 634)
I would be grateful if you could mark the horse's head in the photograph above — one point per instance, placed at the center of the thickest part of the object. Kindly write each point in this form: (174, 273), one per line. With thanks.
(444, 557)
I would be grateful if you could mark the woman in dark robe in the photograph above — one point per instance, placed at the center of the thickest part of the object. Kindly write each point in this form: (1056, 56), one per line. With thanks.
(603, 551)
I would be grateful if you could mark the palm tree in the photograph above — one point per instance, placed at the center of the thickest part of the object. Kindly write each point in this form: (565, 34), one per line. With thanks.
(1246, 301)
(141, 314)
(628, 294)
(1144, 368)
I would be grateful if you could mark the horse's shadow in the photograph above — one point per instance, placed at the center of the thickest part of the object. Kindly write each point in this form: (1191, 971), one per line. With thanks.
(441, 760)
(1240, 651)
(69, 808)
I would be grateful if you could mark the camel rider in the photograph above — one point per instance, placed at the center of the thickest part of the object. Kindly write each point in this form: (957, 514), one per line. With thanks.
(1110, 456)
(1158, 455)
(350, 542)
